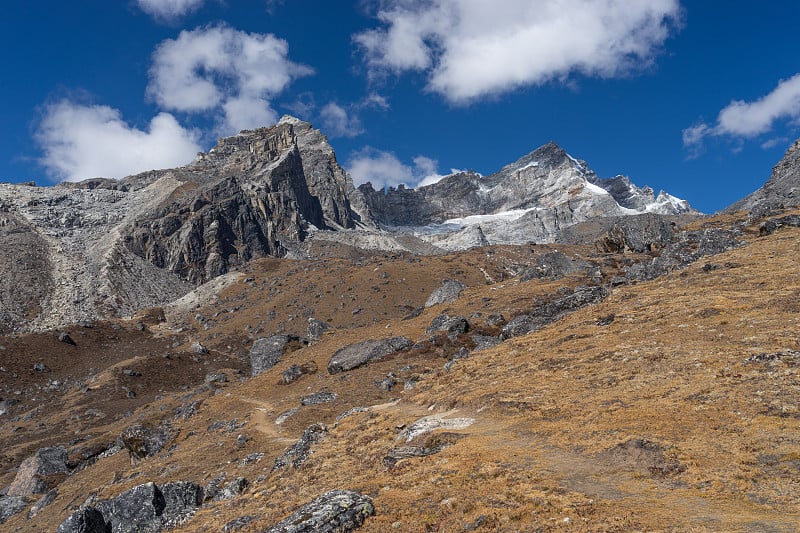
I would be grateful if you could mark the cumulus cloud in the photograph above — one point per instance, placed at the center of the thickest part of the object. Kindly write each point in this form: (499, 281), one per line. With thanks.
(338, 122)
(169, 10)
(384, 169)
(223, 70)
(472, 48)
(746, 120)
(85, 141)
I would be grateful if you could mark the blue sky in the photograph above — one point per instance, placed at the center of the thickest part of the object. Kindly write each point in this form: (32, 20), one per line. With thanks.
(696, 97)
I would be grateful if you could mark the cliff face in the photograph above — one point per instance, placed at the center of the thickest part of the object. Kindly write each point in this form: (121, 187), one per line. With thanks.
(106, 247)
(781, 190)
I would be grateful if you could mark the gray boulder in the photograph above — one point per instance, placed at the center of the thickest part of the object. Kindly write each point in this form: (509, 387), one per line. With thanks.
(297, 454)
(267, 352)
(554, 265)
(40, 472)
(361, 353)
(318, 398)
(448, 292)
(638, 233)
(553, 311)
(84, 521)
(454, 325)
(334, 511)
(11, 505)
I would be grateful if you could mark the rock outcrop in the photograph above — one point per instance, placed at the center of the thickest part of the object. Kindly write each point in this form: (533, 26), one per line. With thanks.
(336, 510)
(781, 190)
(361, 353)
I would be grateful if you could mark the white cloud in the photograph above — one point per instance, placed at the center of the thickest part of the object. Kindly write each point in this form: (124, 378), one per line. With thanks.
(474, 48)
(337, 122)
(220, 69)
(746, 120)
(87, 141)
(168, 10)
(384, 169)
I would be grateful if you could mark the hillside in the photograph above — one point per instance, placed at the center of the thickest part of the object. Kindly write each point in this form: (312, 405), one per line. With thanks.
(669, 405)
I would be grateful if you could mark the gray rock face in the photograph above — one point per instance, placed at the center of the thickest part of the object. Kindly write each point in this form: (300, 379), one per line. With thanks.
(40, 472)
(448, 292)
(550, 312)
(318, 398)
(361, 353)
(781, 190)
(267, 352)
(297, 454)
(316, 328)
(334, 511)
(451, 325)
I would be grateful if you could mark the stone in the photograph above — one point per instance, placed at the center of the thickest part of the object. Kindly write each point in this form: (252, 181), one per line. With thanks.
(550, 312)
(88, 520)
(40, 472)
(430, 444)
(11, 505)
(198, 348)
(554, 265)
(318, 398)
(448, 292)
(316, 328)
(451, 325)
(356, 355)
(334, 511)
(43, 502)
(41, 367)
(181, 500)
(645, 233)
(298, 453)
(267, 352)
(216, 377)
(143, 441)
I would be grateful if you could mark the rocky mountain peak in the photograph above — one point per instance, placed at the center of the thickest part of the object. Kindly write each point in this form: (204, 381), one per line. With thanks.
(781, 190)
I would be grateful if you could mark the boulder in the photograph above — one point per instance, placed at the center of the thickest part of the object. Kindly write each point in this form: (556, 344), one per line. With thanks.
(297, 454)
(555, 265)
(336, 510)
(40, 472)
(448, 292)
(88, 520)
(454, 325)
(267, 352)
(553, 311)
(638, 233)
(427, 445)
(361, 353)
(11, 505)
(142, 441)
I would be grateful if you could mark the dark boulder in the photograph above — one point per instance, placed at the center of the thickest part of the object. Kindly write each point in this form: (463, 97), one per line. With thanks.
(555, 265)
(85, 521)
(553, 311)
(297, 454)
(334, 511)
(11, 505)
(424, 446)
(361, 353)
(454, 325)
(66, 339)
(295, 372)
(643, 233)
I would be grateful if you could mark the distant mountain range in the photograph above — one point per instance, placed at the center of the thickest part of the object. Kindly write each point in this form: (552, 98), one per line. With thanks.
(105, 247)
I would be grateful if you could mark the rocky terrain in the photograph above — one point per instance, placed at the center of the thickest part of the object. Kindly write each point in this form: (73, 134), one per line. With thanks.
(103, 248)
(639, 374)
